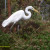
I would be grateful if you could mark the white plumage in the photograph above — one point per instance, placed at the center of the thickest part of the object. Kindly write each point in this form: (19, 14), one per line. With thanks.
(15, 17)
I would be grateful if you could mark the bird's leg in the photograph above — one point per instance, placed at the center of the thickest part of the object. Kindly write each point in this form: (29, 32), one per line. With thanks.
(18, 27)
(18, 30)
(11, 27)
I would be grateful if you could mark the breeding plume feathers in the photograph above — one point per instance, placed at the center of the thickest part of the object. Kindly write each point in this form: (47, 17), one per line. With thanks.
(5, 23)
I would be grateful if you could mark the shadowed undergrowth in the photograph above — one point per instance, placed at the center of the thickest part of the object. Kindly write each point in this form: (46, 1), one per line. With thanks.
(32, 35)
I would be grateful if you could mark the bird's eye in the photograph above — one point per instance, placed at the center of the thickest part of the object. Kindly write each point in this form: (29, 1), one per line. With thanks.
(32, 8)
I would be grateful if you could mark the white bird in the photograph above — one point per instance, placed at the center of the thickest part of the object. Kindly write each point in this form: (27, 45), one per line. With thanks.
(15, 17)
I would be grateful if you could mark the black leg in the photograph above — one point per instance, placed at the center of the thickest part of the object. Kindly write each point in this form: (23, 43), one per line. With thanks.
(11, 27)
(18, 30)
(18, 27)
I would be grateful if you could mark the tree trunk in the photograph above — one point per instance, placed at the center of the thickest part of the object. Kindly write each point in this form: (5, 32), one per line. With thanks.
(9, 8)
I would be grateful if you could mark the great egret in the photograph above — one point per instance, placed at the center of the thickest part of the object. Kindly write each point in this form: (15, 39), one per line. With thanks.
(15, 17)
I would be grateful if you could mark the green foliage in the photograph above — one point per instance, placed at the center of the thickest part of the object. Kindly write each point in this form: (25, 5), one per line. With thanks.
(34, 34)
(4, 40)
(48, 1)
(28, 38)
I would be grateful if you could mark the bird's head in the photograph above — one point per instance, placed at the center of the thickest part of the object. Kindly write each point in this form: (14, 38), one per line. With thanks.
(32, 8)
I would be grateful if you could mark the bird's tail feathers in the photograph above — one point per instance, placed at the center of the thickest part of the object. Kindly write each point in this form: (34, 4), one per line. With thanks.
(5, 23)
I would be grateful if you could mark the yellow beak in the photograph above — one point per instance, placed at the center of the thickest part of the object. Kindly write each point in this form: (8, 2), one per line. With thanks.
(36, 10)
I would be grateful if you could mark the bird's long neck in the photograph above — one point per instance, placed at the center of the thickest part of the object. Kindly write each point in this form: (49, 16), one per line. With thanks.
(28, 13)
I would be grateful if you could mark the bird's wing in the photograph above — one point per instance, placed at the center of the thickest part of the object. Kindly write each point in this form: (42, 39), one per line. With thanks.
(16, 16)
